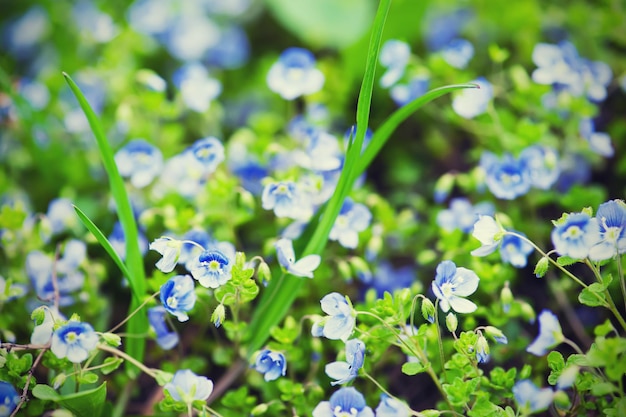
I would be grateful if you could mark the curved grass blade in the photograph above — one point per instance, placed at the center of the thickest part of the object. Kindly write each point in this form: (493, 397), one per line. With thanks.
(138, 324)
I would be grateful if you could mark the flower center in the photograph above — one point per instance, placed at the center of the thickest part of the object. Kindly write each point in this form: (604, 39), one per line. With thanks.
(612, 234)
(172, 302)
(71, 337)
(573, 232)
(338, 412)
(342, 221)
(214, 266)
(447, 289)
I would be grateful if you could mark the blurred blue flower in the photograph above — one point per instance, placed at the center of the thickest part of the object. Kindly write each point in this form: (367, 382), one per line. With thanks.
(441, 28)
(74, 341)
(514, 250)
(139, 160)
(394, 57)
(611, 217)
(346, 401)
(574, 235)
(188, 387)
(575, 169)
(165, 338)
(352, 219)
(322, 152)
(472, 102)
(36, 93)
(458, 52)
(463, 215)
(178, 296)
(189, 36)
(403, 94)
(212, 268)
(209, 151)
(197, 88)
(530, 398)
(542, 165)
(550, 334)
(506, 177)
(61, 215)
(346, 371)
(232, 49)
(387, 278)
(21, 36)
(9, 399)
(183, 174)
(294, 74)
(287, 259)
(341, 319)
(271, 363)
(391, 407)
(451, 284)
(150, 17)
(118, 241)
(287, 200)
(599, 142)
(170, 250)
(93, 23)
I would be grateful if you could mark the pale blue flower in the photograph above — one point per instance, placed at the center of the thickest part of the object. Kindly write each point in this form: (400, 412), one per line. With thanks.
(388, 278)
(42, 333)
(452, 284)
(197, 88)
(61, 215)
(599, 142)
(9, 399)
(506, 177)
(150, 17)
(352, 219)
(74, 341)
(611, 218)
(341, 319)
(462, 214)
(189, 36)
(24, 34)
(391, 407)
(575, 169)
(118, 241)
(321, 154)
(567, 377)
(458, 52)
(170, 250)
(287, 200)
(472, 102)
(287, 259)
(394, 56)
(36, 93)
(188, 387)
(183, 174)
(403, 94)
(294, 74)
(345, 371)
(482, 349)
(165, 338)
(515, 250)
(550, 334)
(232, 49)
(93, 23)
(530, 398)
(346, 402)
(209, 151)
(271, 363)
(542, 165)
(212, 268)
(139, 160)
(442, 28)
(575, 235)
(178, 296)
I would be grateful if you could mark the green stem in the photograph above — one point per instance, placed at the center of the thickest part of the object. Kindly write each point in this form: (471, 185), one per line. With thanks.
(117, 352)
(142, 305)
(622, 281)
(611, 304)
(439, 339)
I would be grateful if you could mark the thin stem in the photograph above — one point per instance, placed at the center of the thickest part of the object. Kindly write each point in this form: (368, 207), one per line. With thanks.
(609, 299)
(622, 281)
(439, 339)
(27, 384)
(142, 305)
(129, 358)
(210, 410)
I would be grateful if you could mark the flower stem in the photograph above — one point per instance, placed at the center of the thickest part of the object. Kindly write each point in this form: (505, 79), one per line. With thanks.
(129, 358)
(142, 305)
(611, 304)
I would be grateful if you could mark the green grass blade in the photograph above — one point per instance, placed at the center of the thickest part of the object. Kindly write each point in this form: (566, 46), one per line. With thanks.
(282, 292)
(383, 133)
(104, 242)
(138, 324)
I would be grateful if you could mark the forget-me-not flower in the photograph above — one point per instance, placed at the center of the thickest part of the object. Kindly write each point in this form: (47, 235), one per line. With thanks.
(188, 387)
(345, 371)
(321, 154)
(170, 250)
(472, 102)
(9, 399)
(212, 268)
(346, 402)
(287, 200)
(74, 341)
(599, 142)
(197, 88)
(515, 250)
(452, 284)
(542, 165)
(271, 364)
(403, 94)
(611, 218)
(341, 319)
(482, 349)
(61, 215)
(394, 56)
(352, 219)
(139, 160)
(388, 278)
(294, 74)
(489, 233)
(189, 36)
(550, 334)
(458, 52)
(118, 240)
(462, 214)
(391, 407)
(530, 398)
(178, 296)
(506, 177)
(183, 174)
(574, 235)
(287, 259)
(165, 338)
(209, 151)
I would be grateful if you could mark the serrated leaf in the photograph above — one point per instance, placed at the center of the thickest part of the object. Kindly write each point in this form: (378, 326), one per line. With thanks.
(413, 368)
(556, 361)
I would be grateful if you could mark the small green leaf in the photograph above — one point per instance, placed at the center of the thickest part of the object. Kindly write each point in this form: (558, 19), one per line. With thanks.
(112, 339)
(604, 328)
(38, 315)
(110, 364)
(413, 368)
(591, 297)
(45, 392)
(556, 361)
(566, 260)
(163, 377)
(603, 388)
(88, 378)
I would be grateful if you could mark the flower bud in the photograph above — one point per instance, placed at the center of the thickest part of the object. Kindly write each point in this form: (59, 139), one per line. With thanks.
(497, 334)
(528, 312)
(428, 310)
(443, 186)
(218, 316)
(482, 349)
(506, 297)
(452, 322)
(259, 410)
(263, 273)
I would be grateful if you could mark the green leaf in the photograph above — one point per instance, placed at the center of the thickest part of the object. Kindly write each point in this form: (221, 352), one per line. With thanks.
(87, 403)
(413, 368)
(556, 361)
(45, 392)
(603, 388)
(110, 364)
(88, 378)
(566, 260)
(593, 296)
(604, 328)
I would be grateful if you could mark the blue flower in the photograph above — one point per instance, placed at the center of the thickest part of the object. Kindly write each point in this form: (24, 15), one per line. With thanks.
(458, 52)
(352, 219)
(341, 319)
(294, 74)
(118, 241)
(444, 27)
(170, 250)
(391, 407)
(74, 341)
(232, 49)
(530, 398)
(190, 35)
(599, 142)
(482, 349)
(270, 363)
(287, 200)
(188, 387)
(93, 23)
(197, 88)
(42, 333)
(462, 214)
(321, 154)
(403, 94)
(515, 250)
(165, 338)
(178, 296)
(212, 269)
(472, 102)
(139, 160)
(61, 215)
(507, 178)
(574, 235)
(542, 165)
(611, 217)
(550, 334)
(183, 174)
(9, 399)
(287, 259)
(344, 402)
(189, 252)
(451, 284)
(345, 371)
(388, 278)
(209, 151)
(394, 56)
